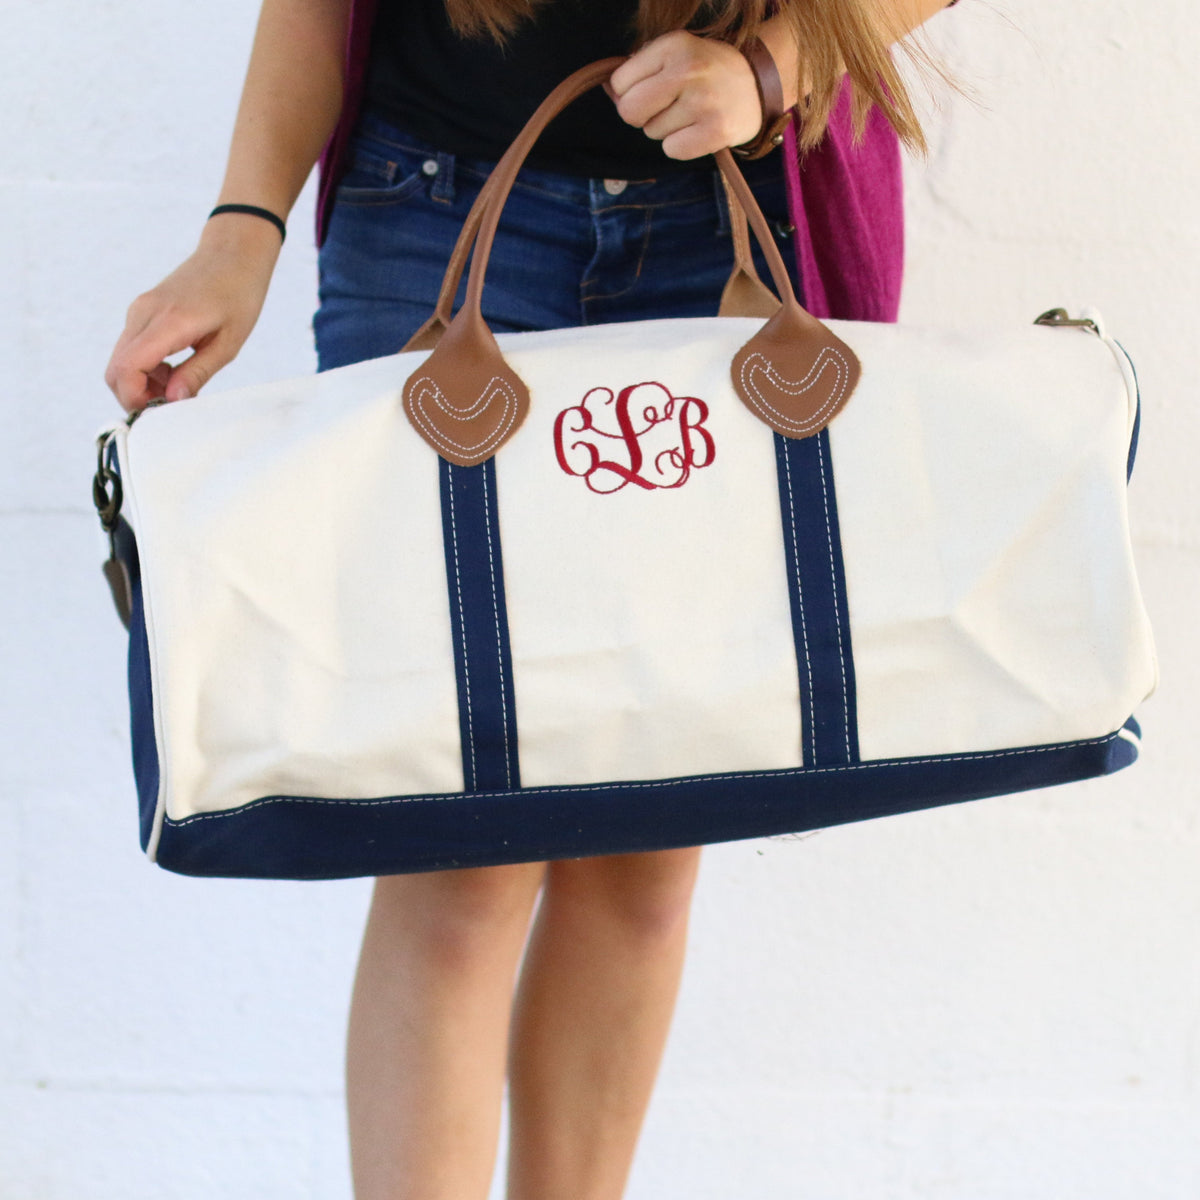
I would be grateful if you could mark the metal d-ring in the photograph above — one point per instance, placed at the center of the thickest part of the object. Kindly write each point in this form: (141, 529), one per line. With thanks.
(1060, 317)
(107, 493)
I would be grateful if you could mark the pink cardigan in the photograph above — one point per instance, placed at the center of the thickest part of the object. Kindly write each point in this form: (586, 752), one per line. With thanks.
(846, 201)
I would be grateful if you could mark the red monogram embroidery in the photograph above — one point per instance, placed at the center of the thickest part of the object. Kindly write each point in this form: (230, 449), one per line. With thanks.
(659, 453)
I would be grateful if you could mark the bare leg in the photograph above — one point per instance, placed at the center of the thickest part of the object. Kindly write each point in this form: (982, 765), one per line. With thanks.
(429, 1028)
(593, 1009)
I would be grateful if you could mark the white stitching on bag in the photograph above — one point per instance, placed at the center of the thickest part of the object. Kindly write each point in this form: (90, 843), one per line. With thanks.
(758, 361)
(790, 773)
(836, 607)
(496, 383)
(487, 511)
(462, 626)
(812, 715)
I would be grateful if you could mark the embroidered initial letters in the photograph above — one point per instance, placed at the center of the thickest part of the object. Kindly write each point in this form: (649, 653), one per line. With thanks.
(641, 435)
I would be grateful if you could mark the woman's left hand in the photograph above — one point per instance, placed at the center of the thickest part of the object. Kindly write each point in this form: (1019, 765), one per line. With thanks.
(695, 95)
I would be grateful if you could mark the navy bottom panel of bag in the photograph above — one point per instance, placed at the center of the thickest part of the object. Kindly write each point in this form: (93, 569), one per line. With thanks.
(315, 838)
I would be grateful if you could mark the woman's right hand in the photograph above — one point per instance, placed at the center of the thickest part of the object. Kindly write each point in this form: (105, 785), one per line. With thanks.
(209, 303)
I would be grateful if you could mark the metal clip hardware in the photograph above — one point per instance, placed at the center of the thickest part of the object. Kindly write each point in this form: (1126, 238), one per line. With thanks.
(106, 486)
(1060, 317)
(107, 495)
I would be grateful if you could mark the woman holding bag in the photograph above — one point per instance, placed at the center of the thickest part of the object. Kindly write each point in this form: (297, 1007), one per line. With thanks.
(618, 216)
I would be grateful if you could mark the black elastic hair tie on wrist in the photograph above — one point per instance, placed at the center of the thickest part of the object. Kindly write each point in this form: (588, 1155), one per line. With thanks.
(254, 211)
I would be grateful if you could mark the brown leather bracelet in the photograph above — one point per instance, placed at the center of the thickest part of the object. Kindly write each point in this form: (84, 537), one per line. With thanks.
(775, 116)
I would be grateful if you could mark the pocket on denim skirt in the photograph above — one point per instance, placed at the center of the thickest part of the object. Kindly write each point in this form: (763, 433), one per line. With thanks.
(379, 175)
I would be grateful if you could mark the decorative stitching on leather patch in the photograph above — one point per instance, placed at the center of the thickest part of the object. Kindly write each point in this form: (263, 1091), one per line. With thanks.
(828, 356)
(472, 410)
(497, 384)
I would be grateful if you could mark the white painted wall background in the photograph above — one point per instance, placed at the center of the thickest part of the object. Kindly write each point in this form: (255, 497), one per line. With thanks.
(993, 1002)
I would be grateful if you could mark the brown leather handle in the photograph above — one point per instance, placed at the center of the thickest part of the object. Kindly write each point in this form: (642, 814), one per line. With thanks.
(506, 169)
(465, 401)
(744, 295)
(431, 332)
(483, 219)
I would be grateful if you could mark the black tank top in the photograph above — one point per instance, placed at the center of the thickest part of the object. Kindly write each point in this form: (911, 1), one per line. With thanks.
(470, 96)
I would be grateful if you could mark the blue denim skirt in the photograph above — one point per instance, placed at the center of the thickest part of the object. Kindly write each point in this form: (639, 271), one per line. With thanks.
(569, 251)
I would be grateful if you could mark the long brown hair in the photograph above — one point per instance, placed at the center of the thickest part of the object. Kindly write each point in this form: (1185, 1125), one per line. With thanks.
(850, 36)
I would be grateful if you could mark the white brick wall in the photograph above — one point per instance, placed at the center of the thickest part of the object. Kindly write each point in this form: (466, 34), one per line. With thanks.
(994, 1002)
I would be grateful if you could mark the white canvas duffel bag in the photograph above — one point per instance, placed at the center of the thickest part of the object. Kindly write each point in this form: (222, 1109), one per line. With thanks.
(624, 587)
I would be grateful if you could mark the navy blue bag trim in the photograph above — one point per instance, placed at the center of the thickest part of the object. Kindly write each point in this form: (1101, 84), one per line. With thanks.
(816, 580)
(1137, 413)
(296, 837)
(141, 694)
(487, 704)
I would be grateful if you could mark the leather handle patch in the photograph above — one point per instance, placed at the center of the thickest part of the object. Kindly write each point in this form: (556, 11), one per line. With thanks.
(795, 374)
(464, 400)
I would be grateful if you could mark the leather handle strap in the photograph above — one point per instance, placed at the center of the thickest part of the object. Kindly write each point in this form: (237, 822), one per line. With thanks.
(431, 331)
(745, 208)
(775, 114)
(744, 295)
(506, 169)
(465, 401)
(504, 175)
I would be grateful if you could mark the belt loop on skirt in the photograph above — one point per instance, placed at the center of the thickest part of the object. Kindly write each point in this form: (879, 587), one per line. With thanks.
(443, 183)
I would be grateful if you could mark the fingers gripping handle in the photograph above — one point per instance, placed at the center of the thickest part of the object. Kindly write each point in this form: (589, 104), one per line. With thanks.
(466, 402)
